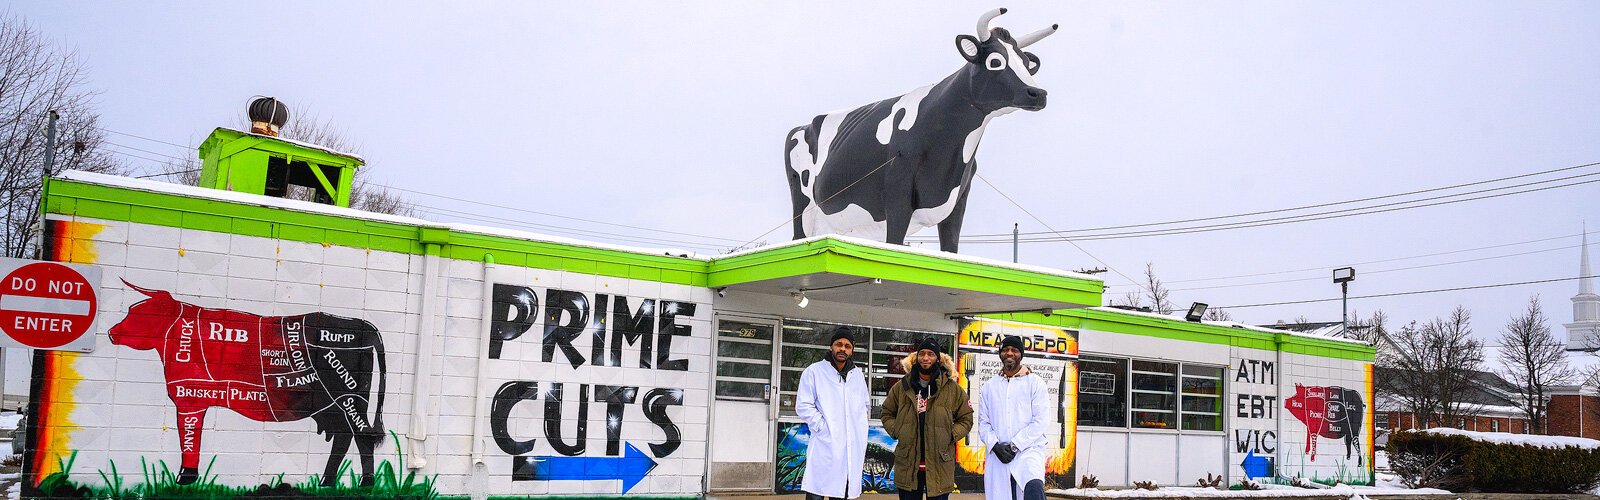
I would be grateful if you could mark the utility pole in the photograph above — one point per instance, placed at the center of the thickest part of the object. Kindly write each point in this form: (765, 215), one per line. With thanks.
(1014, 235)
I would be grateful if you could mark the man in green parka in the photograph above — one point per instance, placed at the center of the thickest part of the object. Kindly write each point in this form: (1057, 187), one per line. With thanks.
(927, 413)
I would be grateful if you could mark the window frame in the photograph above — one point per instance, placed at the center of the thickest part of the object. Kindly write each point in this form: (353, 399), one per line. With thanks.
(863, 358)
(1178, 394)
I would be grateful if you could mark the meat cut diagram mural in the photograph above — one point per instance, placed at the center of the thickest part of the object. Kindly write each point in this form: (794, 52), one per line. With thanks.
(327, 368)
(1332, 412)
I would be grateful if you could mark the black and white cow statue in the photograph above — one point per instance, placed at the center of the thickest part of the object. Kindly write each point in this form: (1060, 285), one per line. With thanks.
(894, 167)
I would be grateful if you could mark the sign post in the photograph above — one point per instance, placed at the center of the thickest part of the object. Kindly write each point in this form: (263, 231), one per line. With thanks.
(48, 305)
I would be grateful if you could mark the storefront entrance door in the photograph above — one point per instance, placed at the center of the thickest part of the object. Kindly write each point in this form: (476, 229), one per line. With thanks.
(743, 410)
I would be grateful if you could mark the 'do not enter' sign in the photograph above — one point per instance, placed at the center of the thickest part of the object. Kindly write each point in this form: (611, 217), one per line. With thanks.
(48, 305)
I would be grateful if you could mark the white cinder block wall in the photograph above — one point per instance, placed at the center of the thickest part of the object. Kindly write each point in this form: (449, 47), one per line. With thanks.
(119, 410)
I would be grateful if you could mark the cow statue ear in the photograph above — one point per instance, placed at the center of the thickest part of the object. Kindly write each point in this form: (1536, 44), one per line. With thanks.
(968, 46)
(1033, 62)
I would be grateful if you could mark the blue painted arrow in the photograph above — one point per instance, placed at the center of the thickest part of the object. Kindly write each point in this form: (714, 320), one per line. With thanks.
(1256, 466)
(631, 468)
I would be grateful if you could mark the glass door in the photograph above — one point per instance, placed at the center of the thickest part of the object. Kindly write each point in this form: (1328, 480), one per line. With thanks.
(742, 407)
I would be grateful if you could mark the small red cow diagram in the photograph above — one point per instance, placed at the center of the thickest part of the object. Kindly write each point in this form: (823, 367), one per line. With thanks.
(266, 368)
(1332, 412)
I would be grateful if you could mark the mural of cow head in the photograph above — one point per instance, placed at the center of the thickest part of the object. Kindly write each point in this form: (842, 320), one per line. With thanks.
(999, 72)
(146, 324)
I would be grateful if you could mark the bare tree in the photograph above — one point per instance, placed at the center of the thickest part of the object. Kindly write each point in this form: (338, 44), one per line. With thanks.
(1534, 361)
(1218, 314)
(308, 128)
(1132, 299)
(1435, 365)
(1373, 330)
(1159, 303)
(36, 78)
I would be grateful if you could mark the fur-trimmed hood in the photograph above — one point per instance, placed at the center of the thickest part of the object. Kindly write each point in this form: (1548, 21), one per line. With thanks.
(945, 361)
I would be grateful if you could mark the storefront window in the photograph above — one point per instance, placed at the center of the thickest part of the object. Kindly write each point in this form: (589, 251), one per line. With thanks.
(889, 347)
(1154, 388)
(1202, 398)
(1156, 394)
(744, 360)
(878, 351)
(1102, 392)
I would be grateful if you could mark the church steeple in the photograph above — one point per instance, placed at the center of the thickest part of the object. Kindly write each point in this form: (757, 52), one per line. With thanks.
(1583, 333)
(1585, 284)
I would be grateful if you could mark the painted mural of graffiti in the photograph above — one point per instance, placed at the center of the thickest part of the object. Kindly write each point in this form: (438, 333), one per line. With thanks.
(265, 368)
(1332, 412)
(621, 333)
(877, 473)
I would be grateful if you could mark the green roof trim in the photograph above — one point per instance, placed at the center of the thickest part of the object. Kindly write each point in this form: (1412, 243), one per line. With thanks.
(828, 255)
(1175, 329)
(84, 199)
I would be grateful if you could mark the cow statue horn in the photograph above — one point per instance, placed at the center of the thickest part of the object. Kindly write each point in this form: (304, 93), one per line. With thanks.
(1030, 38)
(984, 20)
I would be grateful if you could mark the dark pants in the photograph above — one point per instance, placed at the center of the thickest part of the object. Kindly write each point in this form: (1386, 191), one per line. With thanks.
(1033, 491)
(922, 488)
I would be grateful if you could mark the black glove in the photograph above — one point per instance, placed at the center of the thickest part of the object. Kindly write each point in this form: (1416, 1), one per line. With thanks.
(1005, 452)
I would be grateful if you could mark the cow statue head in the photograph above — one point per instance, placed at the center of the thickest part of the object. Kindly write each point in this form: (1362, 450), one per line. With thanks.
(148, 320)
(1000, 73)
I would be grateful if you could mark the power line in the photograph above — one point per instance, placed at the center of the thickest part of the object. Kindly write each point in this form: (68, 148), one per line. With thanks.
(147, 151)
(1319, 205)
(819, 204)
(1047, 226)
(134, 156)
(1381, 271)
(1336, 214)
(1414, 292)
(180, 172)
(148, 139)
(571, 231)
(547, 214)
(1325, 268)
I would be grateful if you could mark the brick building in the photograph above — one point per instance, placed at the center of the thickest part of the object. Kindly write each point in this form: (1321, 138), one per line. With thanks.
(1491, 407)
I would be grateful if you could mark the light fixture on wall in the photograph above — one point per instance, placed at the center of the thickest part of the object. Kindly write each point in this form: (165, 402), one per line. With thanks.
(1196, 311)
(722, 291)
(800, 298)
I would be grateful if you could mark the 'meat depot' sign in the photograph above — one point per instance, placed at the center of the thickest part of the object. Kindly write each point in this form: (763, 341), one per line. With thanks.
(48, 305)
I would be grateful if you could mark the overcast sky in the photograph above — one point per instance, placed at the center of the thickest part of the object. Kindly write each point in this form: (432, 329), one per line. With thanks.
(672, 115)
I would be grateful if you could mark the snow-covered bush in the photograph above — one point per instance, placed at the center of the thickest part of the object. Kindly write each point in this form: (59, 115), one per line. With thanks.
(1494, 462)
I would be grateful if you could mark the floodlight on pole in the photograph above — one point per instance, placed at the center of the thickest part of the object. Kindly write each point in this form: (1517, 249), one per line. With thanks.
(1343, 276)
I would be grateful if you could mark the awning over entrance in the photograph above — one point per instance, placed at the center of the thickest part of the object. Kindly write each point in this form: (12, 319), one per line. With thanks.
(839, 269)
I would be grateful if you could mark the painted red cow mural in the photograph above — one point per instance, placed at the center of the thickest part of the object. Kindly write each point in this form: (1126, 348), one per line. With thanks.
(1332, 412)
(266, 368)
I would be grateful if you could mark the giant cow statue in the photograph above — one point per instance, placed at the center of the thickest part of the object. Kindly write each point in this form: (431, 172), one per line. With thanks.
(893, 167)
(266, 368)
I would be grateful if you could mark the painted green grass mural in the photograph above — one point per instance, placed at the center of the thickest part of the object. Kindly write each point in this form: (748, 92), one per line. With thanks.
(158, 481)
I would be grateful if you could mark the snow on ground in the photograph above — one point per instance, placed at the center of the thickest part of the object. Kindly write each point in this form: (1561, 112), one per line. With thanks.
(14, 492)
(1271, 491)
(1524, 439)
(8, 420)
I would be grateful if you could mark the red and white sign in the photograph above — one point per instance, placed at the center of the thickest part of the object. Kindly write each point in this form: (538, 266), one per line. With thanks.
(48, 305)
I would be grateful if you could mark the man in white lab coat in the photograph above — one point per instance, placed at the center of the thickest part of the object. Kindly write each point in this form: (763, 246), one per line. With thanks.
(1013, 421)
(833, 402)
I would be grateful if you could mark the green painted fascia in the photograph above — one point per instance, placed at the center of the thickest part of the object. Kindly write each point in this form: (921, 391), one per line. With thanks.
(1134, 324)
(75, 198)
(828, 255)
(1311, 346)
(233, 142)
